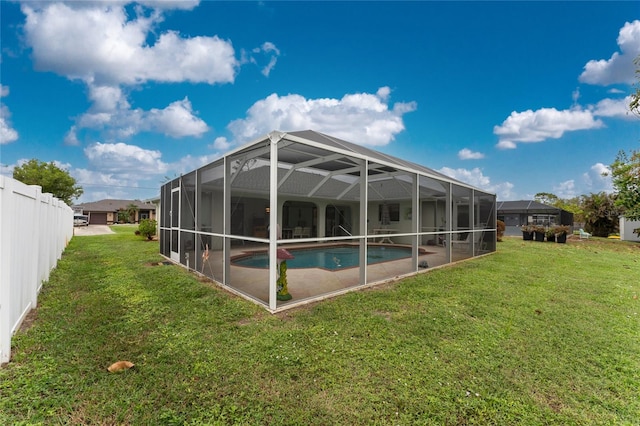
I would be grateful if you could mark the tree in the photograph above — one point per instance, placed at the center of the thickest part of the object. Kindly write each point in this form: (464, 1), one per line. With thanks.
(573, 205)
(51, 178)
(600, 213)
(132, 209)
(123, 216)
(625, 175)
(546, 198)
(634, 104)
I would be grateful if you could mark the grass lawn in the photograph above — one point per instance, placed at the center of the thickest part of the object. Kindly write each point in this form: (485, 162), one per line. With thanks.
(538, 333)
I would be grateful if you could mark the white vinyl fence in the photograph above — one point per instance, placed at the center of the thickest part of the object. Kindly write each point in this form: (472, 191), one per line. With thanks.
(35, 228)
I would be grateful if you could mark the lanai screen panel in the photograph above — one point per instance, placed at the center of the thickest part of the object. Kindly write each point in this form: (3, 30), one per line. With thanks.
(247, 218)
(210, 220)
(187, 220)
(319, 192)
(390, 194)
(433, 208)
(462, 211)
(485, 222)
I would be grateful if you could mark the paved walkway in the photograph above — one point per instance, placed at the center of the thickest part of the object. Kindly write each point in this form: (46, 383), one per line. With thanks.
(80, 231)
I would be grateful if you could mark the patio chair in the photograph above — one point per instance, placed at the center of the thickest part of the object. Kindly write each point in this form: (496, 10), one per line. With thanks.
(306, 232)
(584, 235)
(462, 244)
(297, 232)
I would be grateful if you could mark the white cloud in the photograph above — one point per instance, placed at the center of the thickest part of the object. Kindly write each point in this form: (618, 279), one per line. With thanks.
(98, 185)
(475, 177)
(617, 108)
(598, 178)
(591, 181)
(99, 43)
(273, 52)
(467, 154)
(71, 138)
(7, 133)
(619, 68)
(111, 111)
(575, 96)
(221, 144)
(566, 189)
(177, 120)
(126, 161)
(168, 4)
(65, 40)
(189, 163)
(362, 118)
(542, 124)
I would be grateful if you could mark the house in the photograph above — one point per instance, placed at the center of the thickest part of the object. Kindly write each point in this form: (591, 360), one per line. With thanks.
(345, 216)
(105, 212)
(515, 214)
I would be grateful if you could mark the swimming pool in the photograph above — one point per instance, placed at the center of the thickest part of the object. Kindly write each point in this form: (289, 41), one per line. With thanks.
(332, 257)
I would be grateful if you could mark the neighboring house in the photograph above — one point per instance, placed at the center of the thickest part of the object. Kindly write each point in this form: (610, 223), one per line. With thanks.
(626, 229)
(515, 214)
(105, 212)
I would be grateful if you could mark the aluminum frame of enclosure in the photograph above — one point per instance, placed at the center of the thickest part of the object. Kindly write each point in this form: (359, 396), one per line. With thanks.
(323, 192)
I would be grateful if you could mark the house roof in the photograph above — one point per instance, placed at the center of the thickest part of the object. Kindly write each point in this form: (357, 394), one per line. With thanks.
(526, 206)
(109, 205)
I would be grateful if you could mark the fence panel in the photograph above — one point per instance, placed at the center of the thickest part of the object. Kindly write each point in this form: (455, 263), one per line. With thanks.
(34, 231)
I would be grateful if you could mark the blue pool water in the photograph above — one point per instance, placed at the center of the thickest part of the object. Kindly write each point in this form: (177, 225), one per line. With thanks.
(335, 257)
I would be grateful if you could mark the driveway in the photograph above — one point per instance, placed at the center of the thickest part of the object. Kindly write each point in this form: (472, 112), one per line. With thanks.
(80, 231)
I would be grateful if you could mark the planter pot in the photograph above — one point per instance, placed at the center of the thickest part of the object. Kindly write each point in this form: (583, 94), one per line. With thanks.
(527, 235)
(539, 236)
(551, 238)
(561, 238)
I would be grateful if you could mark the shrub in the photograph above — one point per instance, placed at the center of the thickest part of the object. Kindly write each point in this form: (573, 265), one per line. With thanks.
(561, 229)
(147, 228)
(500, 227)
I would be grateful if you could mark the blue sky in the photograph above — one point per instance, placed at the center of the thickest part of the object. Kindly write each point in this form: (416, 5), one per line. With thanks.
(513, 97)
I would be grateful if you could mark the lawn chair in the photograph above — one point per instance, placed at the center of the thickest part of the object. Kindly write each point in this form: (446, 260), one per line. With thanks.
(584, 235)
(462, 244)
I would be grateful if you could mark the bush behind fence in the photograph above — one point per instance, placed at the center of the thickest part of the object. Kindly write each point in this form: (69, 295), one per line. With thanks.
(35, 228)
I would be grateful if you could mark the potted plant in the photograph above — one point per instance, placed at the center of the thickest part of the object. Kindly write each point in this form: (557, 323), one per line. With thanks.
(538, 232)
(561, 232)
(527, 232)
(551, 235)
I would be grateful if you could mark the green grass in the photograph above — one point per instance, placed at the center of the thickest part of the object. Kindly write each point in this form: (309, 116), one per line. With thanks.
(538, 333)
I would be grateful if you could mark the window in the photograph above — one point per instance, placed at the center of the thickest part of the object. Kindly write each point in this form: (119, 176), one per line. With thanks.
(388, 213)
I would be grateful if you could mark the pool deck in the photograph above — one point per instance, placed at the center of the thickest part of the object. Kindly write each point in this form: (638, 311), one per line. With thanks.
(306, 284)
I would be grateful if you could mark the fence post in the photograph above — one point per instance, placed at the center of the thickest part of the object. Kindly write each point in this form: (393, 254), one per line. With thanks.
(38, 246)
(5, 241)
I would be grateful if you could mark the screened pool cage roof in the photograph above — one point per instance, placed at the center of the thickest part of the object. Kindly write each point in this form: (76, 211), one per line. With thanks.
(312, 164)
